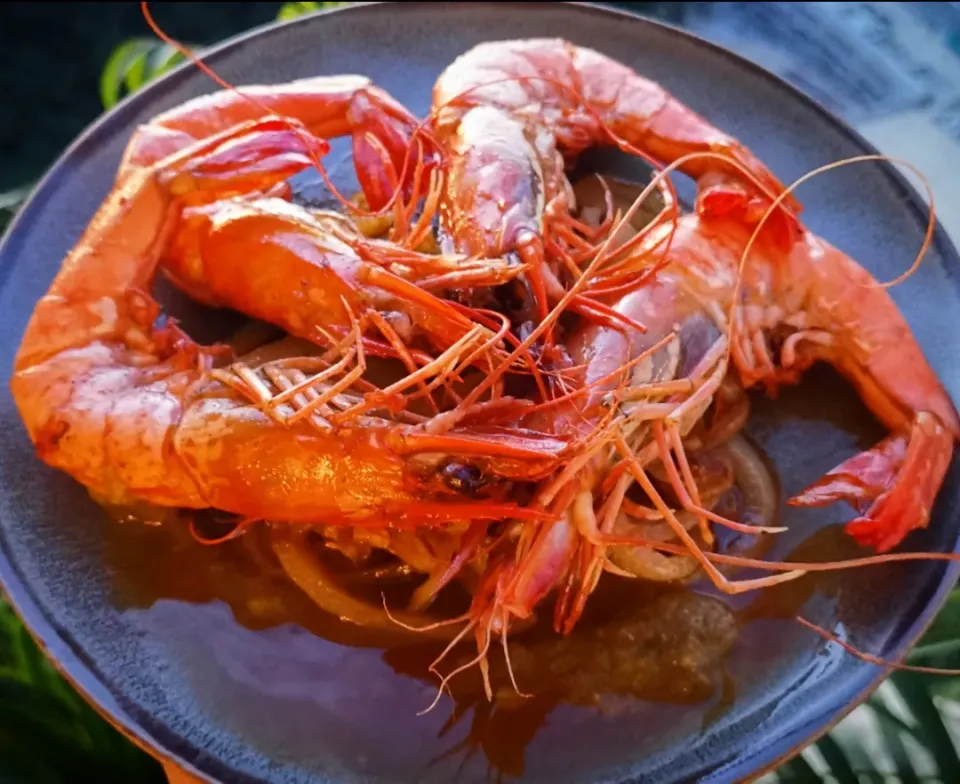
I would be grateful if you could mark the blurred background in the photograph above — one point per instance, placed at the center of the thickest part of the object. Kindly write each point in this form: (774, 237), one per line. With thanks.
(891, 69)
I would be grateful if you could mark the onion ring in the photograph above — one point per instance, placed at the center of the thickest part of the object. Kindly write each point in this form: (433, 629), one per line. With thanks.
(321, 585)
(760, 498)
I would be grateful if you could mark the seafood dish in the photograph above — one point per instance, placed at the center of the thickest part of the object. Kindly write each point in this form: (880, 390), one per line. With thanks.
(481, 376)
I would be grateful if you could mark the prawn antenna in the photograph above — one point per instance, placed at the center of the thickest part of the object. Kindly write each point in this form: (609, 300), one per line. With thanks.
(869, 658)
(928, 234)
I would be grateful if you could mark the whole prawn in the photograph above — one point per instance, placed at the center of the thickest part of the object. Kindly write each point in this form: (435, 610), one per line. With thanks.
(790, 309)
(130, 407)
(510, 115)
(793, 309)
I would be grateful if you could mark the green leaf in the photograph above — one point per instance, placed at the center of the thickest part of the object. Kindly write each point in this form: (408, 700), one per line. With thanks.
(834, 756)
(121, 62)
(884, 714)
(946, 626)
(798, 771)
(11, 201)
(944, 655)
(163, 58)
(893, 741)
(845, 741)
(139, 61)
(930, 729)
(132, 65)
(293, 10)
(41, 713)
(945, 688)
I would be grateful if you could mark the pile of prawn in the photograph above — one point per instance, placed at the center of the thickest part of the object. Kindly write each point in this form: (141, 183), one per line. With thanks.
(478, 379)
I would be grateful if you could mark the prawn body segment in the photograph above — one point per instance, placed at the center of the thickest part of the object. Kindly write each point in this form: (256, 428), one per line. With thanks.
(585, 99)
(309, 275)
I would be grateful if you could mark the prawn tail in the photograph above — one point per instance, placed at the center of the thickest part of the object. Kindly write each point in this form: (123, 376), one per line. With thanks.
(893, 486)
(390, 145)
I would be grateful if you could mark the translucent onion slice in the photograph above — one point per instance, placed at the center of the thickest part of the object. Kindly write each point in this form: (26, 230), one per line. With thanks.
(296, 556)
(760, 501)
(753, 478)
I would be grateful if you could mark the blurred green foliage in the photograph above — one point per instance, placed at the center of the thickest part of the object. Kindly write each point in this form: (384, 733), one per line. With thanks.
(140, 60)
(132, 65)
(48, 733)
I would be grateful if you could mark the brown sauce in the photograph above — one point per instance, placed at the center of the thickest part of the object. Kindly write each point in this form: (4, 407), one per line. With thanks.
(638, 644)
(636, 641)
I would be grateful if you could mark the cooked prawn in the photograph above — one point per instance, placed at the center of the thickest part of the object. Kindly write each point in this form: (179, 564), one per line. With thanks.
(133, 409)
(814, 304)
(662, 381)
(510, 114)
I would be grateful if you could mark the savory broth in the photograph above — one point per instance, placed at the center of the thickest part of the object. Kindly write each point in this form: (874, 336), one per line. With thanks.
(637, 643)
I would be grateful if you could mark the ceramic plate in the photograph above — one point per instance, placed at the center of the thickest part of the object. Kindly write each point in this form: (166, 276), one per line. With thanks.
(182, 666)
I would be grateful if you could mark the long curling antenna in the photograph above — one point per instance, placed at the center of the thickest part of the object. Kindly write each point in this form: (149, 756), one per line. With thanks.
(927, 239)
(778, 566)
(869, 658)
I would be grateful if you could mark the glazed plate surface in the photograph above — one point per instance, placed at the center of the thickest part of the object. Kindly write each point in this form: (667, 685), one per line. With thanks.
(279, 704)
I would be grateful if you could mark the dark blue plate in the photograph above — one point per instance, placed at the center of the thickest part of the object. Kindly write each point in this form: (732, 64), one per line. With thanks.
(175, 667)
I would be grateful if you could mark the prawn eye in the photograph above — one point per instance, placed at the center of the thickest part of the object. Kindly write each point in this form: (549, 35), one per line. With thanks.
(466, 479)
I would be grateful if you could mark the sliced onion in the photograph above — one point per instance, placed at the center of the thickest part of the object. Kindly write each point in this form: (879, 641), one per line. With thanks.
(712, 470)
(733, 406)
(652, 565)
(754, 480)
(295, 554)
(760, 500)
(649, 564)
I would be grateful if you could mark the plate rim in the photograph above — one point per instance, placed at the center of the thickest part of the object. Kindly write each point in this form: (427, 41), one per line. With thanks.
(68, 657)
